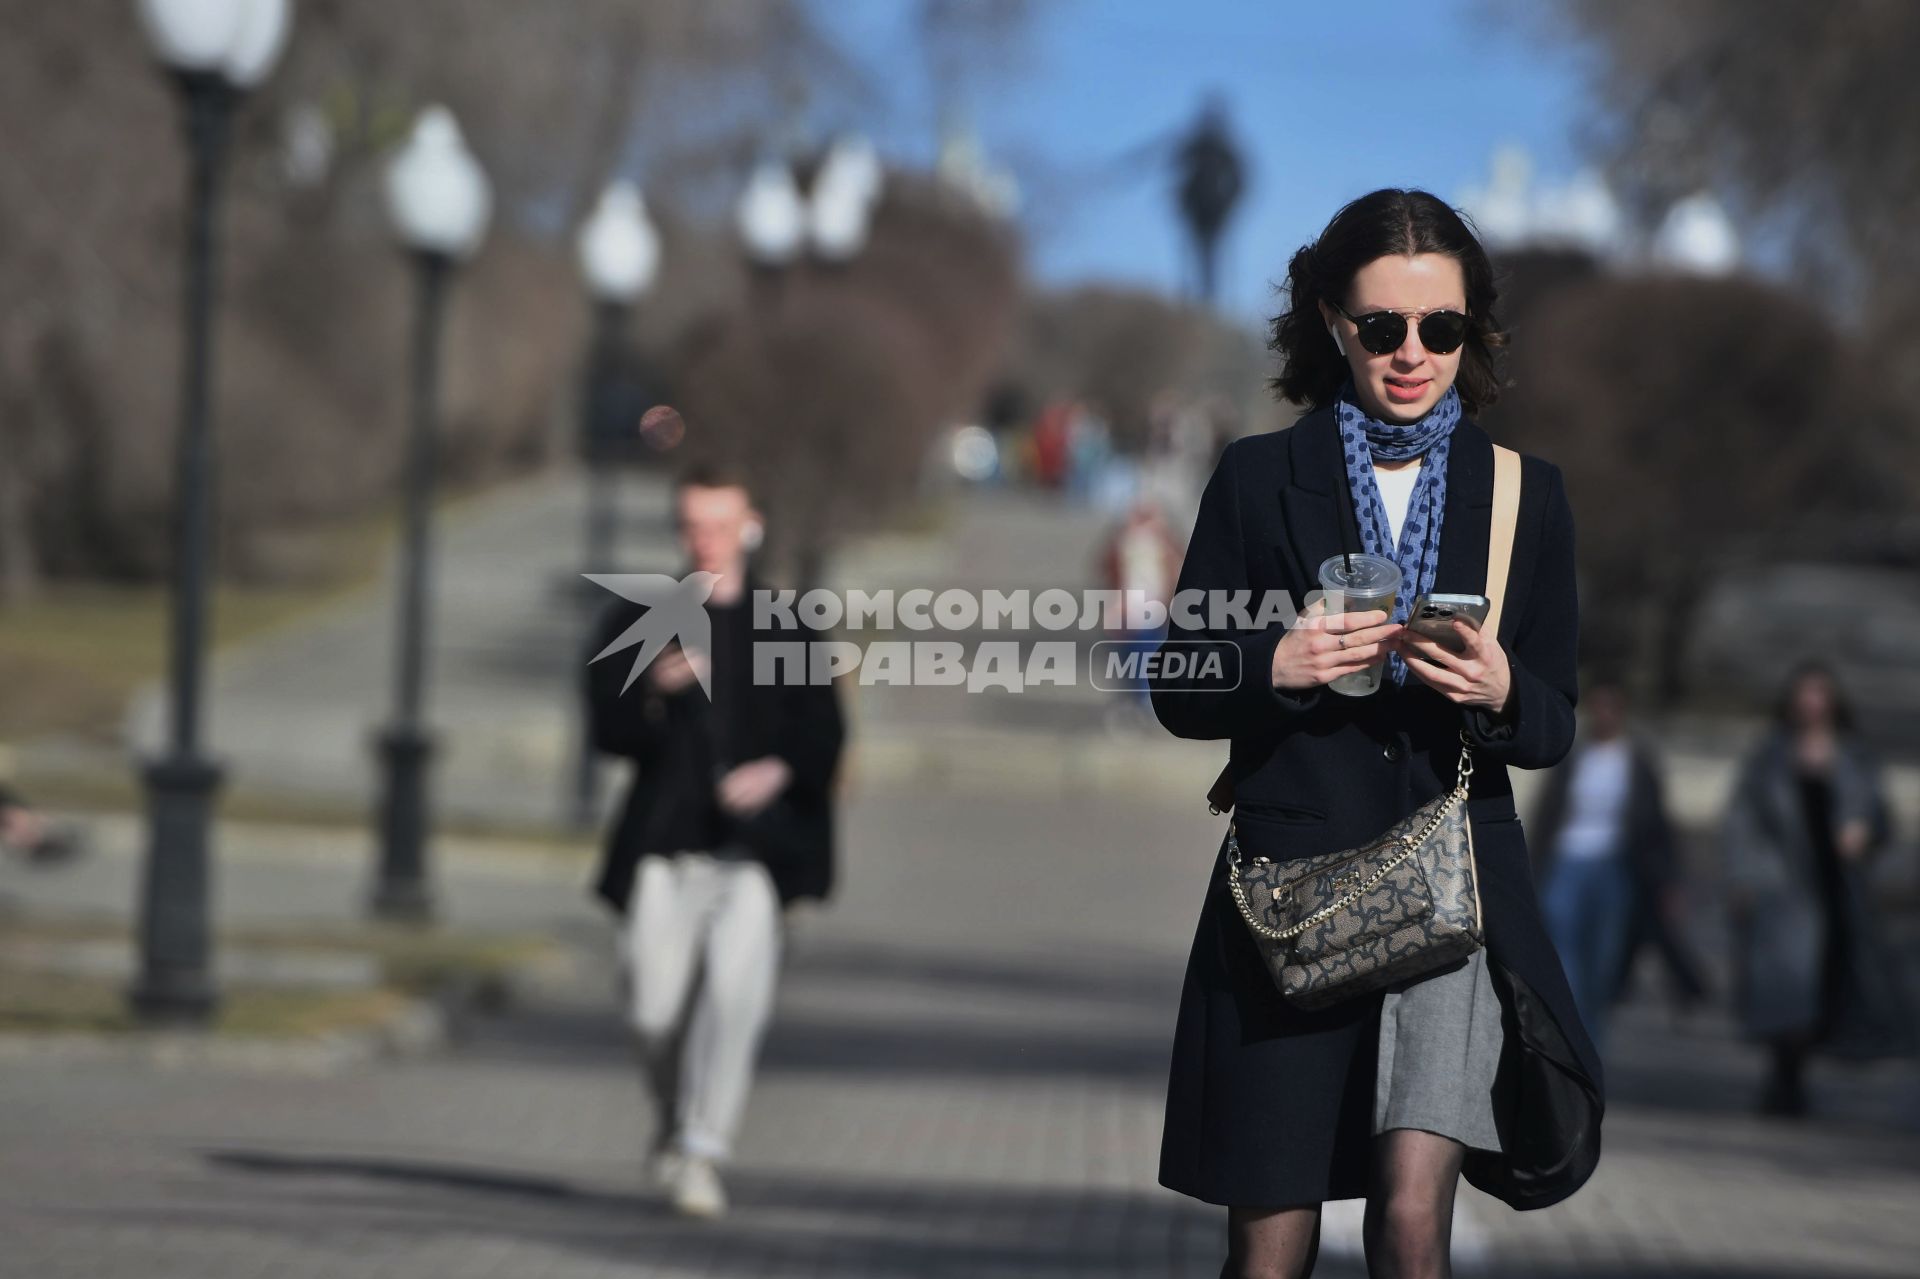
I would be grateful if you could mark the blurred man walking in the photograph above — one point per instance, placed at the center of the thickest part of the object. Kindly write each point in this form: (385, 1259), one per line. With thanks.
(729, 818)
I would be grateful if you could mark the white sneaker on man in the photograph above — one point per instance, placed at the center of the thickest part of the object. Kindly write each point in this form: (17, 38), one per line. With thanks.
(664, 1164)
(697, 1191)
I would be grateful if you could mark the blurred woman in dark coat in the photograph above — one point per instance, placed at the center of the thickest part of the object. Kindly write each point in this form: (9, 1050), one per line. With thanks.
(1806, 815)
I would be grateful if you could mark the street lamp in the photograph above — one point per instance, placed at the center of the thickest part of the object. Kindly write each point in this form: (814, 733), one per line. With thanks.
(841, 203)
(215, 50)
(1697, 237)
(618, 248)
(823, 211)
(619, 254)
(439, 201)
(781, 219)
(772, 216)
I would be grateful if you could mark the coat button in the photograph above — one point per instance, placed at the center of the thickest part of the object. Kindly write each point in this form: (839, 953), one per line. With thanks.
(1392, 750)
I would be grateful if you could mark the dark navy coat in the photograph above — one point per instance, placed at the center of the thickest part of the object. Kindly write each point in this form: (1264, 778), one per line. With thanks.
(1269, 1105)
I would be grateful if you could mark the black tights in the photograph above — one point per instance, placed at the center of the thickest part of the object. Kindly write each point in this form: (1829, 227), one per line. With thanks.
(1409, 1220)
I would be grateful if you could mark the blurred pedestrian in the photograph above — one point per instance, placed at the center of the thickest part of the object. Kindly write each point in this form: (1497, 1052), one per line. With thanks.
(1141, 561)
(21, 828)
(1606, 854)
(1052, 437)
(25, 832)
(1178, 458)
(1089, 449)
(729, 818)
(1806, 816)
(1479, 1067)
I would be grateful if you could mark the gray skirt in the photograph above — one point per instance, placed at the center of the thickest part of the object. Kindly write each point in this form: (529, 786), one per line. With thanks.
(1440, 1037)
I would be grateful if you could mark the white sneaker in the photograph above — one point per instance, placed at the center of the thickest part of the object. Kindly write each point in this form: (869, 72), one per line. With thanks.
(664, 1165)
(697, 1191)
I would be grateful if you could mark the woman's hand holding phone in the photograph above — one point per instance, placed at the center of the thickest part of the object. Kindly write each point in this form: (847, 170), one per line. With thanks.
(1321, 646)
(1478, 675)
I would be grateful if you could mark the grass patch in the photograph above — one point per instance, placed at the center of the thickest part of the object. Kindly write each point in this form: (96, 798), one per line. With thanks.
(418, 961)
(72, 657)
(120, 791)
(412, 964)
(61, 1003)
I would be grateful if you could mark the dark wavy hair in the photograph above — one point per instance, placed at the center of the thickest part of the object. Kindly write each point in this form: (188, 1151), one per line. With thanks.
(1389, 222)
(1809, 668)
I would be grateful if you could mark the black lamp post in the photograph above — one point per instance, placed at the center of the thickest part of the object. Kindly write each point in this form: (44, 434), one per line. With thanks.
(215, 52)
(619, 255)
(439, 201)
(772, 220)
(783, 224)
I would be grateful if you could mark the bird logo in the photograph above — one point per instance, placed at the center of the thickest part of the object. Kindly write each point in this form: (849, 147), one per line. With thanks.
(676, 610)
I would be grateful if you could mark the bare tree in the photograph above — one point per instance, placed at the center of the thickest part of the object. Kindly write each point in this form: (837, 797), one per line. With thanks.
(830, 385)
(555, 96)
(1123, 348)
(1808, 114)
(1698, 422)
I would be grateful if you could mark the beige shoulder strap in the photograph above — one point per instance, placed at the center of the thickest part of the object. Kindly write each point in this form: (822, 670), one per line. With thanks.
(1506, 517)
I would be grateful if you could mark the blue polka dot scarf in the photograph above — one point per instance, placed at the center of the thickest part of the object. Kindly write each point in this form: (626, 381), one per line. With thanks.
(1363, 439)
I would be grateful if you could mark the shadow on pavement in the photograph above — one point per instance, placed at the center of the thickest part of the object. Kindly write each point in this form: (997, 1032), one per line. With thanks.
(891, 1011)
(782, 1224)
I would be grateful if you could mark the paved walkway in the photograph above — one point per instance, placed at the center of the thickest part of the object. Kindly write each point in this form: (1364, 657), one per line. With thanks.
(964, 1079)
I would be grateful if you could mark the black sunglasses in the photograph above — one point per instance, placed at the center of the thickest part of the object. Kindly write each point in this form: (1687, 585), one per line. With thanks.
(1381, 332)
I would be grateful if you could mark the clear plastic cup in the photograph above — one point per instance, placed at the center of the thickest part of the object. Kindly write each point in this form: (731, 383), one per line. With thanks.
(1359, 583)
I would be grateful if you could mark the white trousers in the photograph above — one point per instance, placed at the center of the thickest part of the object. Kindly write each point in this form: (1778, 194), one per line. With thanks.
(710, 928)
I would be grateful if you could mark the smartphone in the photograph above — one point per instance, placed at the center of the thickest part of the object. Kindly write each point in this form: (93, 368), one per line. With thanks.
(1433, 617)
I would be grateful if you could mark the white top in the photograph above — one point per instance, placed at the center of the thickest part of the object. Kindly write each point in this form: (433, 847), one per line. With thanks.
(1396, 492)
(1596, 801)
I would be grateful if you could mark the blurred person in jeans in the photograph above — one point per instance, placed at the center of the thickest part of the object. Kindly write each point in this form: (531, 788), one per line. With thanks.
(1607, 852)
(728, 820)
(1807, 813)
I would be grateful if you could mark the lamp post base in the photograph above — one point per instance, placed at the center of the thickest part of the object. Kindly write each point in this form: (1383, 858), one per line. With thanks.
(176, 984)
(401, 892)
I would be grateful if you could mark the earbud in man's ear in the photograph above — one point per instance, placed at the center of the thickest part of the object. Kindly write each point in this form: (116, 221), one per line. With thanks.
(751, 535)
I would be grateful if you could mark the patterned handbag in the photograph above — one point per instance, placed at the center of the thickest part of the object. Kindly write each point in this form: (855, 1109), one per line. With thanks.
(1348, 922)
(1344, 923)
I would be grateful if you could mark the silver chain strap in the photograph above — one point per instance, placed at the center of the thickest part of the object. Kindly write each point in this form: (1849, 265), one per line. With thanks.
(1409, 845)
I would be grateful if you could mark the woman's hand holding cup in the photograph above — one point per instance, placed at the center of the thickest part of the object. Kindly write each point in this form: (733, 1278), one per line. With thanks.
(1323, 646)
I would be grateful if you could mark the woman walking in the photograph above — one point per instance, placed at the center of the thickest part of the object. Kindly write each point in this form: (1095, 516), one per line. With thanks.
(1482, 1067)
(1809, 969)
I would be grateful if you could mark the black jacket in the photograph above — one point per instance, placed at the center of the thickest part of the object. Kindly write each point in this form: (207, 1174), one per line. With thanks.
(671, 740)
(1269, 1104)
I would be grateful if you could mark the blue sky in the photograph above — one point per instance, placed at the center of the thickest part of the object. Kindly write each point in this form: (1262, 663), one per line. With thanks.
(1329, 100)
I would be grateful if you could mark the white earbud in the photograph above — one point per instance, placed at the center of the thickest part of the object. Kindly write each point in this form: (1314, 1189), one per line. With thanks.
(1338, 344)
(752, 534)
